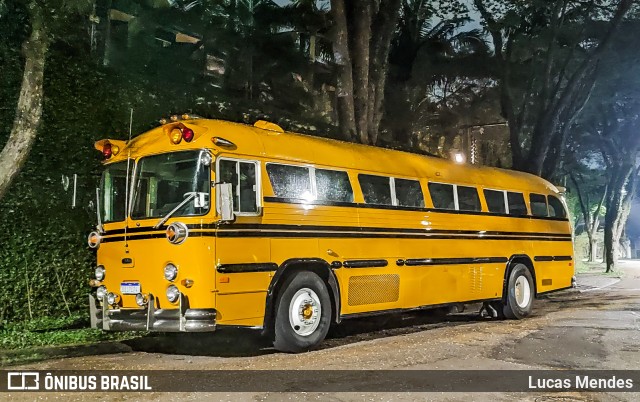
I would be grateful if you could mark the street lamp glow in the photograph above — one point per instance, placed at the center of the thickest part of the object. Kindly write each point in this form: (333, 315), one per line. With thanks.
(458, 157)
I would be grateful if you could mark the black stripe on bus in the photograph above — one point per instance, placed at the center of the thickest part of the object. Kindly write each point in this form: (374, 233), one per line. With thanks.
(414, 262)
(281, 200)
(359, 229)
(335, 235)
(378, 229)
(546, 258)
(134, 237)
(365, 263)
(291, 234)
(247, 267)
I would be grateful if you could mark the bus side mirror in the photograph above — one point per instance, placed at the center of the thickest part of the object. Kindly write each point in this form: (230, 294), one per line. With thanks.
(225, 192)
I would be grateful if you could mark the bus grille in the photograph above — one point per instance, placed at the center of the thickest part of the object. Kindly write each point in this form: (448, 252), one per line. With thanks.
(372, 289)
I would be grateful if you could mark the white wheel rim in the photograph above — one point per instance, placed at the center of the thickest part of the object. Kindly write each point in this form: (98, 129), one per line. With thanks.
(304, 312)
(522, 291)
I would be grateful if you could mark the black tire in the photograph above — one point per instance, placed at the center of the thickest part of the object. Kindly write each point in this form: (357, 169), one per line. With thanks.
(520, 293)
(295, 340)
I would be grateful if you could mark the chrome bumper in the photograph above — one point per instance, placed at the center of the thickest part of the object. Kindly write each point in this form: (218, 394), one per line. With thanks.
(182, 319)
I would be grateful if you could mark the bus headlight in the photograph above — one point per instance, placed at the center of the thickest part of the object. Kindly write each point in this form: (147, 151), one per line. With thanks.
(100, 272)
(170, 272)
(94, 239)
(112, 298)
(173, 293)
(177, 233)
(141, 299)
(101, 292)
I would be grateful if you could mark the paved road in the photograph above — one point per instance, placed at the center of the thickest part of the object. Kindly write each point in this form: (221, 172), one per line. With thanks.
(588, 328)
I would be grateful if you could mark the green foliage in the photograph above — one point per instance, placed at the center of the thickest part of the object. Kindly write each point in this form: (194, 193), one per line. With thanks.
(44, 260)
(48, 331)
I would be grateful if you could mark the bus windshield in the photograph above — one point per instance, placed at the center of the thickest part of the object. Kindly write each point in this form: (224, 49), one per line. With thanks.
(113, 189)
(164, 181)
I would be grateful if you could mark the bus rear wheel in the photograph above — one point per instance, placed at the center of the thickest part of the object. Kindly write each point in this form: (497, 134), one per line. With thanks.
(520, 293)
(303, 313)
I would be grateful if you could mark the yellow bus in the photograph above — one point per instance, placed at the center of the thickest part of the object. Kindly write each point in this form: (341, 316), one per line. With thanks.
(208, 223)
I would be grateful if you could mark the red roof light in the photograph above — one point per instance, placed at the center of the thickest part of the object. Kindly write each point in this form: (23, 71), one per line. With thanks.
(187, 134)
(106, 150)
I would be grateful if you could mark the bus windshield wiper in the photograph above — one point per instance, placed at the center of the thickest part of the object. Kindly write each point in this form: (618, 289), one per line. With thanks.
(173, 211)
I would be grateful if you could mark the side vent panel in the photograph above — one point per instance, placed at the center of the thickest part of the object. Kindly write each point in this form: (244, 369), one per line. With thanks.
(373, 289)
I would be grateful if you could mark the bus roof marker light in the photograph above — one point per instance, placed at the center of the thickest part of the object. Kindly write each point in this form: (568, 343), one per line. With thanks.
(176, 136)
(458, 157)
(107, 151)
(223, 143)
(187, 134)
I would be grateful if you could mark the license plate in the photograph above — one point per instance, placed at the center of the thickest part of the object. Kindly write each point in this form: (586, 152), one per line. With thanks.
(129, 288)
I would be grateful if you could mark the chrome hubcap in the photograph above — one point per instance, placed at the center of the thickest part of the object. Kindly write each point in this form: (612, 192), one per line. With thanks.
(304, 312)
(522, 291)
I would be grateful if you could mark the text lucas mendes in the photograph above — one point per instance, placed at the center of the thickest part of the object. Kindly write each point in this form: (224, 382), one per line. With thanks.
(580, 382)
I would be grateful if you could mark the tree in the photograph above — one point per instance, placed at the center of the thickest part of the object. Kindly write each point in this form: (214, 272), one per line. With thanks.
(437, 72)
(45, 18)
(591, 198)
(362, 58)
(546, 56)
(609, 126)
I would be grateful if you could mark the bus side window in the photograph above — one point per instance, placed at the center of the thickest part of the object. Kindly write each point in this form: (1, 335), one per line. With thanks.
(495, 201)
(556, 209)
(375, 189)
(248, 201)
(516, 204)
(442, 195)
(290, 181)
(243, 177)
(468, 199)
(538, 204)
(333, 185)
(409, 193)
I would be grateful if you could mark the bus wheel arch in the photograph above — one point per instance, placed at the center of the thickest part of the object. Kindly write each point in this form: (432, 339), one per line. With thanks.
(513, 261)
(519, 288)
(290, 267)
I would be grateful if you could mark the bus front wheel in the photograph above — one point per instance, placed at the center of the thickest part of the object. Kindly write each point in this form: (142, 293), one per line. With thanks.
(303, 313)
(520, 293)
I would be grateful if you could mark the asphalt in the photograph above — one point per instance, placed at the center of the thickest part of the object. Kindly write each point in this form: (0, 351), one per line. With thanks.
(594, 326)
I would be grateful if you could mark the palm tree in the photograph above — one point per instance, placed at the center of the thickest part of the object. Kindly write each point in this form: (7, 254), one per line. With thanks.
(426, 55)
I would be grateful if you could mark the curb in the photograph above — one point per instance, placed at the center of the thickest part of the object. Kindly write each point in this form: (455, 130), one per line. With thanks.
(15, 357)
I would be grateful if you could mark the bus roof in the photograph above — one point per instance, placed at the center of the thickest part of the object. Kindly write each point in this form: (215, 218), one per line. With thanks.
(272, 143)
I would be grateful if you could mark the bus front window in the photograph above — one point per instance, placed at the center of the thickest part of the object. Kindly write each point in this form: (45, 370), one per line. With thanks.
(164, 181)
(113, 189)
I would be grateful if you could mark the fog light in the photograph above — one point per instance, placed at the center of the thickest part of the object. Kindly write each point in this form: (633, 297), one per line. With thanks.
(100, 273)
(173, 293)
(170, 272)
(141, 299)
(101, 292)
(112, 298)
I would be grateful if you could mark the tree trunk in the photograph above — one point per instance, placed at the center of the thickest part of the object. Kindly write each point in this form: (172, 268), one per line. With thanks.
(29, 109)
(593, 250)
(360, 52)
(342, 57)
(618, 201)
(362, 61)
(383, 29)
